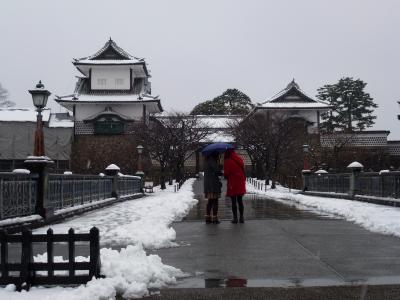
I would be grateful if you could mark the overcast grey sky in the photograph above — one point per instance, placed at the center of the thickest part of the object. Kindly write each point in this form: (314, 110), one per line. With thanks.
(197, 49)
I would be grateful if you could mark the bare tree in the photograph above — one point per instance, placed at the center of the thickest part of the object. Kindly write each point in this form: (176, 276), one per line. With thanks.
(273, 141)
(4, 102)
(170, 140)
(335, 144)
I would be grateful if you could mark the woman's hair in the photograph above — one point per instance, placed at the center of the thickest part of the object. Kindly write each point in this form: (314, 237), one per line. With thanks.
(214, 155)
(228, 153)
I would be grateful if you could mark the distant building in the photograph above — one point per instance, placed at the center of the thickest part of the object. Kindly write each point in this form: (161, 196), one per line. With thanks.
(293, 102)
(112, 94)
(17, 132)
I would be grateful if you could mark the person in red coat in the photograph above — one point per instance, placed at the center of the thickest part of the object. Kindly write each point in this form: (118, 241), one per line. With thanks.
(236, 185)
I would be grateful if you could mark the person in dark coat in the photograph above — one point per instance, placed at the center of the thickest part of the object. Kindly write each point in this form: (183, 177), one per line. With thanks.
(212, 186)
(236, 182)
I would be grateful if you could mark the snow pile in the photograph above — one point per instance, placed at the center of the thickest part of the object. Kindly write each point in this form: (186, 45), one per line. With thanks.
(376, 218)
(146, 220)
(130, 272)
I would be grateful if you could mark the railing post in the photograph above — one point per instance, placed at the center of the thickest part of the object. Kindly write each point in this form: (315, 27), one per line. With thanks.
(26, 259)
(306, 177)
(62, 192)
(4, 254)
(113, 170)
(1, 200)
(71, 252)
(94, 253)
(39, 165)
(355, 168)
(50, 252)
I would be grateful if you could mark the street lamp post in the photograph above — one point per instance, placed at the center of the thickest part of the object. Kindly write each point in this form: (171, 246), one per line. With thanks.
(38, 163)
(139, 171)
(39, 97)
(306, 163)
(306, 167)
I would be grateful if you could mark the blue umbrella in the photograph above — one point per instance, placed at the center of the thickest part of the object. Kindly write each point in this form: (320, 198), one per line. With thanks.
(216, 147)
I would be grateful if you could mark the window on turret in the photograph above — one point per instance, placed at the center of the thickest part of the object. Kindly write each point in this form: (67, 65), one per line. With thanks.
(108, 125)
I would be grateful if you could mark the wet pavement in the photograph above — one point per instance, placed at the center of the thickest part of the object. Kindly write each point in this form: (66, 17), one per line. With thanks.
(279, 245)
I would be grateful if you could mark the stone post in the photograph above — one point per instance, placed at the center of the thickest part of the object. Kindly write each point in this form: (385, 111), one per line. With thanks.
(356, 169)
(304, 175)
(40, 165)
(113, 170)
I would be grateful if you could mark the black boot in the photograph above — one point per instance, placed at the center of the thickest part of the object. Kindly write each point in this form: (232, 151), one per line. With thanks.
(235, 219)
(208, 219)
(241, 219)
(215, 220)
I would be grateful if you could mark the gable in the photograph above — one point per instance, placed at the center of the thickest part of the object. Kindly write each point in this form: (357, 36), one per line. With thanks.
(110, 53)
(293, 95)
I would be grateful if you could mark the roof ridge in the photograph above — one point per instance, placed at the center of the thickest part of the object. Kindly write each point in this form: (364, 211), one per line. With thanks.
(113, 44)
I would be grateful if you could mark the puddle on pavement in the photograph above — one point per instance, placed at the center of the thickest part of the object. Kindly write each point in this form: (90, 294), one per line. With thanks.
(255, 207)
(197, 282)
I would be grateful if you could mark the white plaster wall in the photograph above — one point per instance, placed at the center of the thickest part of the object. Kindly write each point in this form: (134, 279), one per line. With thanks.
(132, 110)
(110, 74)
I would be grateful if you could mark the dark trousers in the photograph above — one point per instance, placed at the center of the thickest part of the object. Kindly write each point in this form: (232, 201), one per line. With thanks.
(212, 204)
(237, 201)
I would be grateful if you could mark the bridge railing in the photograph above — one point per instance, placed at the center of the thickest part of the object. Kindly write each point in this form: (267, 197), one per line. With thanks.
(328, 183)
(20, 195)
(17, 194)
(71, 190)
(376, 184)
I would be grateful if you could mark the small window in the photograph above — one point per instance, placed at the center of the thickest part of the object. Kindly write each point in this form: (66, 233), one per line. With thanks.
(108, 125)
(101, 81)
(119, 81)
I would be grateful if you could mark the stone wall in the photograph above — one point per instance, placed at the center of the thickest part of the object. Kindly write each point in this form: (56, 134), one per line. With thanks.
(91, 154)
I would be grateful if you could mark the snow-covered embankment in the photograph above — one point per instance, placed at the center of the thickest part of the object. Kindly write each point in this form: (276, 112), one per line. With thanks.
(376, 218)
(135, 225)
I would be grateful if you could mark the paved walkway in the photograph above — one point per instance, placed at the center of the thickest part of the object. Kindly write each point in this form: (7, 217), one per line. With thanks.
(279, 246)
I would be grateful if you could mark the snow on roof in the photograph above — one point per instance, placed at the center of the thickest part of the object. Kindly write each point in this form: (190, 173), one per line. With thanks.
(93, 59)
(287, 105)
(108, 62)
(22, 115)
(217, 137)
(218, 121)
(61, 120)
(106, 98)
(293, 101)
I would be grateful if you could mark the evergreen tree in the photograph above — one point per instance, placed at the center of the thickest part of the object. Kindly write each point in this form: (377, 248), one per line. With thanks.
(231, 102)
(4, 102)
(352, 107)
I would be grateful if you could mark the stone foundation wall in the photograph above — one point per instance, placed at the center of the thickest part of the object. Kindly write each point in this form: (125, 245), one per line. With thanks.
(91, 154)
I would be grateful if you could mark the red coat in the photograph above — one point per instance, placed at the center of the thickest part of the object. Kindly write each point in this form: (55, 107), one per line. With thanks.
(234, 173)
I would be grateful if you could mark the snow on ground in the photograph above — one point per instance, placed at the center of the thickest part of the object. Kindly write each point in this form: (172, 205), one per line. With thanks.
(376, 218)
(130, 272)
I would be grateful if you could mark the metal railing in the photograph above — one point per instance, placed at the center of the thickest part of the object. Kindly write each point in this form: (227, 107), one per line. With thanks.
(17, 194)
(328, 183)
(128, 185)
(71, 190)
(385, 184)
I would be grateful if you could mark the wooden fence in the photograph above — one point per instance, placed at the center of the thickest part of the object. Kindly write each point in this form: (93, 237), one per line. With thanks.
(26, 272)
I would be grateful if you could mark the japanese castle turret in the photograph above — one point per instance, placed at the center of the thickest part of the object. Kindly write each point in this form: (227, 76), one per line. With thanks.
(293, 102)
(112, 95)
